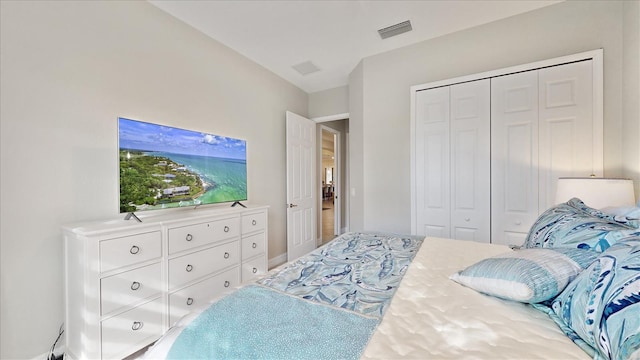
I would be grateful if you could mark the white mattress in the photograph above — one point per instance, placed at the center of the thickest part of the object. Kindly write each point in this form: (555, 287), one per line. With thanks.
(432, 317)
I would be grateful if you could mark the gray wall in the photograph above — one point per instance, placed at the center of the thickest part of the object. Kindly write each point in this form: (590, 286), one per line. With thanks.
(379, 94)
(630, 93)
(68, 70)
(356, 148)
(329, 102)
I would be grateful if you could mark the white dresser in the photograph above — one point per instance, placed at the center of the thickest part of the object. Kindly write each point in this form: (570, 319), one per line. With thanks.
(126, 282)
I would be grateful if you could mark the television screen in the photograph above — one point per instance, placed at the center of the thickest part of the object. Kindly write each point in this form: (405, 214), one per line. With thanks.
(166, 167)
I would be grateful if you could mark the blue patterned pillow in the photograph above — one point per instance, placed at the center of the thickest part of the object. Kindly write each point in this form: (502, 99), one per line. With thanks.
(528, 275)
(575, 225)
(625, 214)
(602, 305)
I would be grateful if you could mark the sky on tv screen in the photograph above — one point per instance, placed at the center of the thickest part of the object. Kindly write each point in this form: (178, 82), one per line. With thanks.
(145, 136)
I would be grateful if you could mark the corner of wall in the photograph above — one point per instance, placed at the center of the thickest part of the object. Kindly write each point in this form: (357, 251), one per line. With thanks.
(631, 93)
(356, 147)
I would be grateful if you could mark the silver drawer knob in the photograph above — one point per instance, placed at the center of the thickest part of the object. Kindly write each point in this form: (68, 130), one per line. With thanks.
(137, 325)
(226, 255)
(255, 270)
(254, 245)
(134, 250)
(189, 237)
(226, 229)
(467, 219)
(189, 301)
(227, 283)
(135, 286)
(189, 268)
(253, 222)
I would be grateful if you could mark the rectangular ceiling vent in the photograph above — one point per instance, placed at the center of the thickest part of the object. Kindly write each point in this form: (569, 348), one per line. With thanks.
(306, 68)
(396, 29)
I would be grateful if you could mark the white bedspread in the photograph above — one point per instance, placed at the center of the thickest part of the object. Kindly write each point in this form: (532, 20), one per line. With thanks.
(432, 317)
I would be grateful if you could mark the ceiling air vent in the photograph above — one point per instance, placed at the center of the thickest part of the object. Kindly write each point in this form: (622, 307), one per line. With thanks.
(306, 68)
(396, 29)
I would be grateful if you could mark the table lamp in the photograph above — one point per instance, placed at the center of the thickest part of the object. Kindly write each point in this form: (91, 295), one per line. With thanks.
(596, 192)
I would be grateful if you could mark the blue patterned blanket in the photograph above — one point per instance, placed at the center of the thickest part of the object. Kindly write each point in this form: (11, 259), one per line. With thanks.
(325, 305)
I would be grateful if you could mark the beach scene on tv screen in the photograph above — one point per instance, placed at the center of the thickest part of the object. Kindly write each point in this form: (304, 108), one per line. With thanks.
(165, 167)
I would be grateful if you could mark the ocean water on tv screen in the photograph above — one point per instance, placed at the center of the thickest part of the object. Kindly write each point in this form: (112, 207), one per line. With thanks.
(226, 177)
(209, 180)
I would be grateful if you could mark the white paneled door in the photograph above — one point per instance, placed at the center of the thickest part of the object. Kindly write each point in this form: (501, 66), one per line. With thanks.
(567, 133)
(432, 159)
(488, 148)
(452, 157)
(301, 185)
(470, 161)
(542, 127)
(514, 160)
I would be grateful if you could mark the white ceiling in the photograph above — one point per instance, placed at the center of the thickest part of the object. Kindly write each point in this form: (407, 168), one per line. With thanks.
(334, 35)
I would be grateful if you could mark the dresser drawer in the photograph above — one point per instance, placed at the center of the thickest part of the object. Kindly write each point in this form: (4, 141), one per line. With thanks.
(202, 263)
(254, 268)
(254, 222)
(129, 287)
(129, 250)
(187, 237)
(253, 245)
(199, 294)
(131, 330)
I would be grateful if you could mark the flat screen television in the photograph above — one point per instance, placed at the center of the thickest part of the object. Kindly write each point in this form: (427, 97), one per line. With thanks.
(166, 167)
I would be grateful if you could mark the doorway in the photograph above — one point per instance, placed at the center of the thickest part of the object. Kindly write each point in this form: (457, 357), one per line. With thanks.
(328, 183)
(331, 178)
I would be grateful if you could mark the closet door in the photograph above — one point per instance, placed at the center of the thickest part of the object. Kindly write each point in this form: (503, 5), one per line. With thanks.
(470, 161)
(432, 162)
(486, 169)
(566, 126)
(514, 152)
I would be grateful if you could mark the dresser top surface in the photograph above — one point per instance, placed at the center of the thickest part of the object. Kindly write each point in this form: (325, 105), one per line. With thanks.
(154, 221)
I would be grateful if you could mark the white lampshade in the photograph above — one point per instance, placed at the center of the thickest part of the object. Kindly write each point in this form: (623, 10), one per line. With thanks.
(595, 192)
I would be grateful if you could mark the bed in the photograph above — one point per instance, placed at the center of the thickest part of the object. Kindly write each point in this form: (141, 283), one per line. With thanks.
(571, 292)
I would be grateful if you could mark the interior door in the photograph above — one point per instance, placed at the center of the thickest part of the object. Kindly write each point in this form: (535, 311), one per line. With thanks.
(470, 161)
(301, 185)
(433, 211)
(566, 127)
(514, 156)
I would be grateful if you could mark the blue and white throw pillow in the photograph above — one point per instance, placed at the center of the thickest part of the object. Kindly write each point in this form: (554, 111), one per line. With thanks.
(575, 225)
(527, 275)
(602, 305)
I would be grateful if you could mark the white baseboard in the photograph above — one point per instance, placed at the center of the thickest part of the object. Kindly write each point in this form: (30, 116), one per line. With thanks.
(278, 260)
(59, 350)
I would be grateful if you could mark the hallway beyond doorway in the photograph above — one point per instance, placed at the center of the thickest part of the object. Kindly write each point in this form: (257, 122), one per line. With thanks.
(327, 221)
